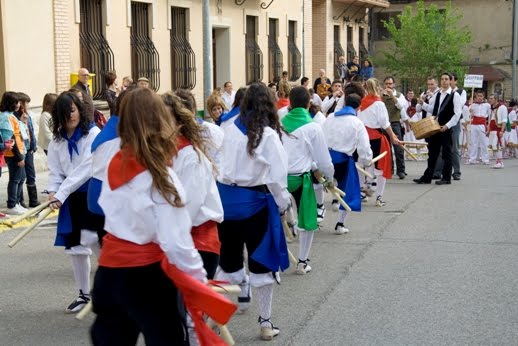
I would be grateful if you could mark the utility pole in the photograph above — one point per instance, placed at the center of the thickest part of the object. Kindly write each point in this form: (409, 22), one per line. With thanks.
(515, 45)
(207, 52)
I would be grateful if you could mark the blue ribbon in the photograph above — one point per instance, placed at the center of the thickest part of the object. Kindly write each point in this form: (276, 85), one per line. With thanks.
(347, 110)
(72, 141)
(225, 116)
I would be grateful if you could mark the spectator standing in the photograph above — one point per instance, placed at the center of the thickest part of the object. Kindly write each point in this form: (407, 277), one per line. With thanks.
(367, 70)
(322, 83)
(83, 76)
(111, 92)
(45, 123)
(228, 94)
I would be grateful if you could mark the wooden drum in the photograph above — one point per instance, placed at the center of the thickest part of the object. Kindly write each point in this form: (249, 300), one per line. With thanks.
(425, 128)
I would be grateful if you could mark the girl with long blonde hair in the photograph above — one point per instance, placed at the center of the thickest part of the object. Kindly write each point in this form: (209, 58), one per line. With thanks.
(374, 115)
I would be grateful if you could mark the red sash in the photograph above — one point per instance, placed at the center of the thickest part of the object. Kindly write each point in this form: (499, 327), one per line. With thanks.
(385, 163)
(475, 120)
(493, 126)
(199, 298)
(205, 237)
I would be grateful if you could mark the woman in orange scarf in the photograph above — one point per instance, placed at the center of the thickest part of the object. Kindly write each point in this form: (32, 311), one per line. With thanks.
(374, 115)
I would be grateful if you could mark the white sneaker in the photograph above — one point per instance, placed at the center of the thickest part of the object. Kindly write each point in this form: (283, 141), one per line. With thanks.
(365, 199)
(340, 228)
(303, 267)
(268, 331)
(498, 165)
(380, 202)
(334, 205)
(243, 301)
(22, 208)
(16, 210)
(321, 212)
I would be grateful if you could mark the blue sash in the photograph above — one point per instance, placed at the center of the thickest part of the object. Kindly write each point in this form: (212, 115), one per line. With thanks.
(226, 116)
(108, 133)
(350, 183)
(347, 110)
(65, 220)
(241, 203)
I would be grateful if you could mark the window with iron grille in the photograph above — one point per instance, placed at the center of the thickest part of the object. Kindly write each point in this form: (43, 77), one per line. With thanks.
(338, 50)
(254, 55)
(96, 54)
(183, 62)
(364, 52)
(378, 30)
(274, 52)
(351, 52)
(294, 56)
(144, 56)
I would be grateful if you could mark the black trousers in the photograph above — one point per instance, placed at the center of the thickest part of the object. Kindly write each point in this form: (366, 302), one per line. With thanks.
(436, 143)
(130, 301)
(398, 151)
(234, 234)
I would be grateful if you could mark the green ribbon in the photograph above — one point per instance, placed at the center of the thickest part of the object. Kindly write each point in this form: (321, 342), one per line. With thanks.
(307, 208)
(296, 118)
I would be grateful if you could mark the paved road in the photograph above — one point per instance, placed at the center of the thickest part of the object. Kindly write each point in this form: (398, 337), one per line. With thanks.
(436, 266)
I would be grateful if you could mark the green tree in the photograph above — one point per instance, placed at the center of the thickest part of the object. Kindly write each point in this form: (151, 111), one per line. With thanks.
(426, 41)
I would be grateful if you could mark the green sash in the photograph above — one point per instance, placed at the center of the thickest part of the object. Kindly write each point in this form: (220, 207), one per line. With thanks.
(307, 208)
(296, 118)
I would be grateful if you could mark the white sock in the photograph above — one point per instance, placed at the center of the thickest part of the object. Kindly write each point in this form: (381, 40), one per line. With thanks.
(81, 268)
(319, 193)
(380, 183)
(342, 215)
(264, 296)
(305, 241)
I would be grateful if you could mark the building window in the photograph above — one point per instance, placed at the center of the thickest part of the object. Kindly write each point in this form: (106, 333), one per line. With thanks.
(338, 50)
(96, 54)
(497, 89)
(144, 56)
(379, 32)
(183, 62)
(294, 56)
(254, 55)
(364, 52)
(351, 52)
(274, 52)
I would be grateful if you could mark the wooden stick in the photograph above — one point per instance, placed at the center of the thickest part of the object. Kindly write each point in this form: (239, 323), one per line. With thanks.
(379, 157)
(20, 236)
(340, 192)
(409, 153)
(27, 214)
(341, 201)
(287, 230)
(360, 169)
(419, 144)
(85, 311)
(225, 335)
(226, 289)
(293, 259)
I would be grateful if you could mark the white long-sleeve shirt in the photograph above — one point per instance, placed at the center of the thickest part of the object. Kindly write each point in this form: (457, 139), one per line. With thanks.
(306, 145)
(499, 114)
(457, 105)
(346, 134)
(65, 175)
(268, 166)
(328, 102)
(482, 110)
(375, 116)
(136, 212)
(213, 136)
(202, 196)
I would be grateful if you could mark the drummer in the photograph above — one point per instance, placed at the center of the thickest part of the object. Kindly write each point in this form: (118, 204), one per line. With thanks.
(447, 106)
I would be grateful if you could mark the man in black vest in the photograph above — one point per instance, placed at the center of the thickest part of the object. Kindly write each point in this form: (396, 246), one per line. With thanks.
(83, 76)
(447, 106)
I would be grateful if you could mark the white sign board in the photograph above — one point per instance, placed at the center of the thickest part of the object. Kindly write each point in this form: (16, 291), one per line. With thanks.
(473, 80)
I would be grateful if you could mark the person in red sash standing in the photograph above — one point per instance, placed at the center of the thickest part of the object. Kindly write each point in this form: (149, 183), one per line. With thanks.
(497, 129)
(479, 112)
(148, 255)
(374, 115)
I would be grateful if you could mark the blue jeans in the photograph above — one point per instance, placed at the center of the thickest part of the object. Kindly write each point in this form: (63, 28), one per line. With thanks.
(30, 172)
(16, 180)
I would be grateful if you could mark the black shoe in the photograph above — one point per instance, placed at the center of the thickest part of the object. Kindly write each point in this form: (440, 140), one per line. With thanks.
(22, 203)
(443, 182)
(436, 177)
(422, 181)
(456, 177)
(401, 175)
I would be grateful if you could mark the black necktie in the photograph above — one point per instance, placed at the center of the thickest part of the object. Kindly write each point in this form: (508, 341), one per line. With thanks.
(436, 104)
(332, 108)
